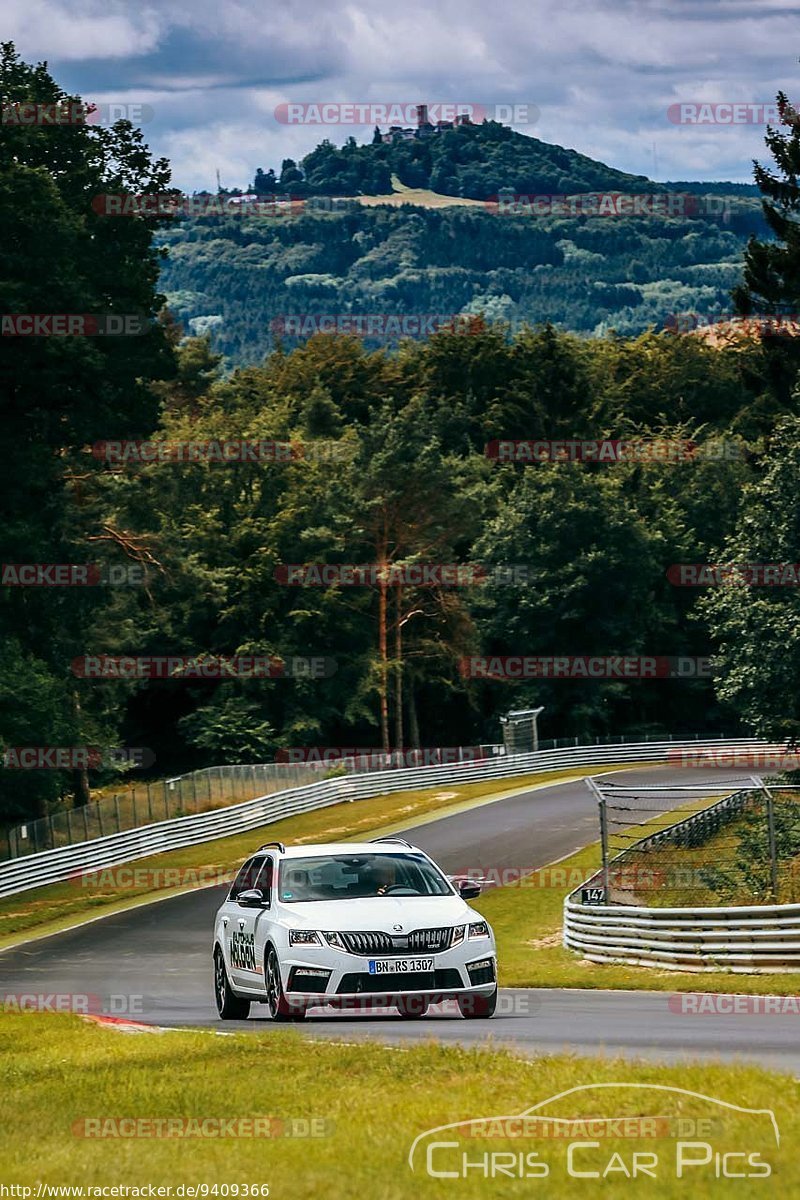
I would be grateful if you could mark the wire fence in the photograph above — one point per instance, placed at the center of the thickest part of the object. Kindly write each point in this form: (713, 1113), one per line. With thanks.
(203, 791)
(211, 788)
(686, 847)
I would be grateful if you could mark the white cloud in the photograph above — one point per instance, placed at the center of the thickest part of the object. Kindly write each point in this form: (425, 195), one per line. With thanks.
(603, 78)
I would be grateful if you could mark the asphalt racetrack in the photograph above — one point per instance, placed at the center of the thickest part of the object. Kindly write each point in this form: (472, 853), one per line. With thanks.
(153, 963)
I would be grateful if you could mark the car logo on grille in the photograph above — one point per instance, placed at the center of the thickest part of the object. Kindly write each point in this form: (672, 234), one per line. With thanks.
(397, 928)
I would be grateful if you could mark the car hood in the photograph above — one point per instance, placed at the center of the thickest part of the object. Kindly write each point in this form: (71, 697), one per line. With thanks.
(381, 913)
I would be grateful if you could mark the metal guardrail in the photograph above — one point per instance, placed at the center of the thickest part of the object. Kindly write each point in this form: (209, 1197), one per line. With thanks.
(741, 939)
(145, 802)
(201, 791)
(65, 862)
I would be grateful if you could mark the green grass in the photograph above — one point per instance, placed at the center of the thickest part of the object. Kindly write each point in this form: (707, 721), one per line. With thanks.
(527, 920)
(375, 1101)
(56, 906)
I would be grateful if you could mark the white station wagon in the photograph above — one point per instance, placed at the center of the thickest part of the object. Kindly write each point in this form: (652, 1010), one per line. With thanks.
(352, 925)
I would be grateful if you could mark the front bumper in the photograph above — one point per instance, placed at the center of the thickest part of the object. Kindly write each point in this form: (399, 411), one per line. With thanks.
(324, 975)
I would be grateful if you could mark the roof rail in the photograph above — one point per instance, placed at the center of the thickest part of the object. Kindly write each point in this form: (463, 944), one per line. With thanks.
(267, 846)
(402, 841)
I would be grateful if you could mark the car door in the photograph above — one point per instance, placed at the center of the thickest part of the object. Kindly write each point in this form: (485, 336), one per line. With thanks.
(261, 919)
(238, 930)
(250, 928)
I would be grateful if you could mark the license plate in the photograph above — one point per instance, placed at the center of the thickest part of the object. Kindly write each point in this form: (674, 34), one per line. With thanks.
(399, 966)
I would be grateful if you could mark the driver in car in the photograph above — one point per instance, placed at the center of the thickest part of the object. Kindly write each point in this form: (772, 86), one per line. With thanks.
(384, 875)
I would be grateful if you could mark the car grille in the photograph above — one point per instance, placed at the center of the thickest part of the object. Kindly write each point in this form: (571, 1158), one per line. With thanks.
(420, 941)
(387, 985)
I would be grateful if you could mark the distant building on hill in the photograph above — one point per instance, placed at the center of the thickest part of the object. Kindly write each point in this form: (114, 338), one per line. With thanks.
(424, 127)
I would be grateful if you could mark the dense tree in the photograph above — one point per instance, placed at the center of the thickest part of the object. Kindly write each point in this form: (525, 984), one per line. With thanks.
(60, 394)
(757, 628)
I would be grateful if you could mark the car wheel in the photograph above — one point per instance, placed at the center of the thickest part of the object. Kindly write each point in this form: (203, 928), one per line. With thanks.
(412, 1007)
(278, 1007)
(474, 1006)
(229, 1006)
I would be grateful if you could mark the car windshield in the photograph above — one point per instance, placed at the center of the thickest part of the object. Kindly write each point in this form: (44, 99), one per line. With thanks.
(359, 877)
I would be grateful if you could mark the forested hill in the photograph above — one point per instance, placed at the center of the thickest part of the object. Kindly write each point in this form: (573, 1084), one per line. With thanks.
(242, 276)
(473, 161)
(394, 243)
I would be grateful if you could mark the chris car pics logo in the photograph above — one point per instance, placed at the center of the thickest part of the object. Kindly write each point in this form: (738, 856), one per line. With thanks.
(606, 1131)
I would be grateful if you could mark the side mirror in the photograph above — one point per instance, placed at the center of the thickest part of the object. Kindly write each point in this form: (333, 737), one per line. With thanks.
(252, 898)
(468, 890)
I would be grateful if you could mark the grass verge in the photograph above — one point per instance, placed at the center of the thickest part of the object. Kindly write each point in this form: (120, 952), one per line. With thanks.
(368, 1104)
(55, 907)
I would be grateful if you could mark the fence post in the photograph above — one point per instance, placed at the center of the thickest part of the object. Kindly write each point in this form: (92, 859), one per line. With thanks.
(99, 807)
(116, 809)
(149, 803)
(69, 830)
(773, 855)
(603, 835)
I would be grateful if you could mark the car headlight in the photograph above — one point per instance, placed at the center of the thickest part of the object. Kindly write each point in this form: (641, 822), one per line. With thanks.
(303, 937)
(333, 939)
(458, 934)
(479, 929)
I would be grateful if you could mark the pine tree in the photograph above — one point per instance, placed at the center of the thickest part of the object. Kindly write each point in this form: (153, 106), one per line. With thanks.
(772, 269)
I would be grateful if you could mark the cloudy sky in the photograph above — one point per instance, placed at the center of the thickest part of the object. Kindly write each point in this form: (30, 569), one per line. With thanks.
(603, 77)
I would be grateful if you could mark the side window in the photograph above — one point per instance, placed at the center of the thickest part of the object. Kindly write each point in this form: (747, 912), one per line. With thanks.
(246, 878)
(264, 881)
